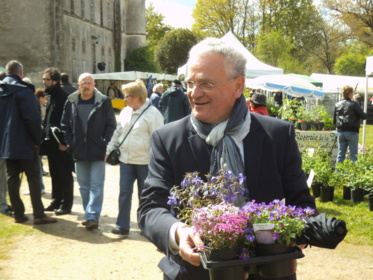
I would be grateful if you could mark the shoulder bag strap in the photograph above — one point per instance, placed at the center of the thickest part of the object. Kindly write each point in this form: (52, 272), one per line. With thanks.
(133, 125)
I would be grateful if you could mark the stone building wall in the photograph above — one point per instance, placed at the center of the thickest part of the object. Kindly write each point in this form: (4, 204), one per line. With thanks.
(73, 35)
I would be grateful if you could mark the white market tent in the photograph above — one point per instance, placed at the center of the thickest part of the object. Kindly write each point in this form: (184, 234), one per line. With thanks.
(132, 75)
(335, 83)
(254, 67)
(368, 73)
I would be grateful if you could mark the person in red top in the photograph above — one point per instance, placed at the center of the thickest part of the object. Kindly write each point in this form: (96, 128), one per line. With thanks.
(258, 104)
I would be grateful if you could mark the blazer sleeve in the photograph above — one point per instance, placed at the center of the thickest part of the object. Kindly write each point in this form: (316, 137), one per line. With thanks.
(154, 216)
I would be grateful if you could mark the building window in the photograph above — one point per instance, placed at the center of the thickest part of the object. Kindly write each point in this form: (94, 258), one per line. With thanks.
(73, 47)
(109, 15)
(84, 47)
(93, 11)
(82, 9)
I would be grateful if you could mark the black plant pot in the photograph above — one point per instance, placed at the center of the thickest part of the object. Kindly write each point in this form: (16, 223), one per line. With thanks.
(313, 125)
(231, 273)
(370, 202)
(304, 126)
(315, 187)
(346, 192)
(276, 269)
(357, 195)
(326, 193)
(234, 273)
(320, 126)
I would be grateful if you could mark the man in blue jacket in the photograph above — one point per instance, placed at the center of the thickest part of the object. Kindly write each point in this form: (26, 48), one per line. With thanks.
(88, 123)
(20, 137)
(174, 104)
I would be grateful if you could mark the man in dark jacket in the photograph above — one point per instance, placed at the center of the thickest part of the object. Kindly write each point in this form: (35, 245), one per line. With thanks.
(347, 117)
(174, 104)
(59, 160)
(220, 133)
(66, 86)
(20, 137)
(88, 123)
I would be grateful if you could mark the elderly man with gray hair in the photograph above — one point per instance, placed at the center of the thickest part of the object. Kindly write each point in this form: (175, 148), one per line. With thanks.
(156, 95)
(88, 123)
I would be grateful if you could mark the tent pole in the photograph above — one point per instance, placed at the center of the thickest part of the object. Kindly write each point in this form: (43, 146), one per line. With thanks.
(365, 111)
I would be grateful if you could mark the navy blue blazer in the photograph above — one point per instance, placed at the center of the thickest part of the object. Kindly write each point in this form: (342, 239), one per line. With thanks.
(272, 167)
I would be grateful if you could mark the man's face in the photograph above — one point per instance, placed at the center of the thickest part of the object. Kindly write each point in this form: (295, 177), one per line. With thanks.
(47, 81)
(213, 104)
(86, 86)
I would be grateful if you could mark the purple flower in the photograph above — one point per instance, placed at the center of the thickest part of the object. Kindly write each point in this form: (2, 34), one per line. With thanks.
(172, 201)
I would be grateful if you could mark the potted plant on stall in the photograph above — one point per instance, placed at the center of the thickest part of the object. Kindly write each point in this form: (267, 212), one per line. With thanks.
(323, 171)
(287, 113)
(343, 174)
(323, 118)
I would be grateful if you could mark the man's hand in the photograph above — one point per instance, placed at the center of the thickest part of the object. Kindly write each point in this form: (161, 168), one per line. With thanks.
(62, 148)
(188, 241)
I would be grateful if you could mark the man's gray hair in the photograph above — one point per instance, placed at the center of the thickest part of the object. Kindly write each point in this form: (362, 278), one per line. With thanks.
(236, 61)
(85, 75)
(157, 86)
(14, 67)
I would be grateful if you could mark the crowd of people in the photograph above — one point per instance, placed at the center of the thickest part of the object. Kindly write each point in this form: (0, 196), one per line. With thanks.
(204, 127)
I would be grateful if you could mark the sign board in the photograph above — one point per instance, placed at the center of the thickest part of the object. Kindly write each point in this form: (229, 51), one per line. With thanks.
(324, 139)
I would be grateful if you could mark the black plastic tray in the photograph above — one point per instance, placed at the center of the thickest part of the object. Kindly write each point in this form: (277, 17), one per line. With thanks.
(207, 264)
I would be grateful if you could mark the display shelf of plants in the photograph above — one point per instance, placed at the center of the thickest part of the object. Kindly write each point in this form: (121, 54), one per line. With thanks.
(355, 179)
(296, 112)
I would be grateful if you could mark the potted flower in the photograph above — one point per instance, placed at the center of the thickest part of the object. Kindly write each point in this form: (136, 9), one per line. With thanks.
(210, 206)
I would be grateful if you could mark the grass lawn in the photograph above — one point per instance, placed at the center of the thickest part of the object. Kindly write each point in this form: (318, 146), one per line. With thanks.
(368, 135)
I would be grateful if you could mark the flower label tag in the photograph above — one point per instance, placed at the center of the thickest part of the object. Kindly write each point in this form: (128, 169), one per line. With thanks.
(310, 178)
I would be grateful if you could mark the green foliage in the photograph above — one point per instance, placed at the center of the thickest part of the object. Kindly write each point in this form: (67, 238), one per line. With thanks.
(214, 18)
(350, 64)
(155, 28)
(356, 15)
(141, 59)
(274, 48)
(172, 51)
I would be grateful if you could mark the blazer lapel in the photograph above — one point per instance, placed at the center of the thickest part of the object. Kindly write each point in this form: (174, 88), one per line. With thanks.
(253, 152)
(201, 153)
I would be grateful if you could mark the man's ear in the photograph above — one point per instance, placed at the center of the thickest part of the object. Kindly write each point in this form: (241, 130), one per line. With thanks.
(239, 85)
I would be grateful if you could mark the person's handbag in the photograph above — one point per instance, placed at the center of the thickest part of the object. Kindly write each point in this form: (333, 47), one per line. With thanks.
(113, 158)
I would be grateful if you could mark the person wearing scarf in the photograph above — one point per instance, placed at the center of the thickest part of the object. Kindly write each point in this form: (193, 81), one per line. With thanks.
(219, 134)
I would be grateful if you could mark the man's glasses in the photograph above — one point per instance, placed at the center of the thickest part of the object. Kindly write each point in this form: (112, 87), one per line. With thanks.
(206, 86)
(86, 84)
(46, 80)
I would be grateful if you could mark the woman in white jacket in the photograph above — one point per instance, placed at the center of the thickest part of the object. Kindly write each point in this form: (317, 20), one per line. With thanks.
(136, 124)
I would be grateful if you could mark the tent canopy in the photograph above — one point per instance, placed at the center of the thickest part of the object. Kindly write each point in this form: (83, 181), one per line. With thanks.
(335, 83)
(309, 79)
(132, 75)
(292, 85)
(254, 67)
